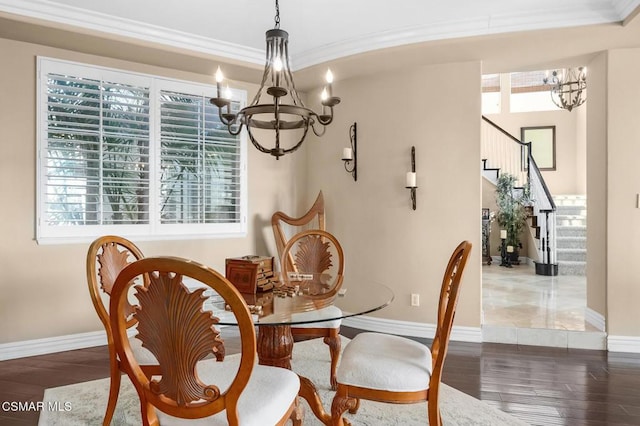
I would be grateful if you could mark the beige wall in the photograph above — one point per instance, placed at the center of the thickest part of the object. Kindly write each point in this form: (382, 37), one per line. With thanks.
(569, 176)
(623, 185)
(43, 290)
(597, 185)
(436, 109)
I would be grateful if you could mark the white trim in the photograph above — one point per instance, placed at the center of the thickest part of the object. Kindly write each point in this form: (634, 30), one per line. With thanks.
(624, 344)
(598, 12)
(154, 229)
(625, 7)
(413, 329)
(84, 18)
(50, 345)
(594, 318)
(528, 20)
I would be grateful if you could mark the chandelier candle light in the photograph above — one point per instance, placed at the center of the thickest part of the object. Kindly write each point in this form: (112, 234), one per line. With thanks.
(567, 86)
(277, 115)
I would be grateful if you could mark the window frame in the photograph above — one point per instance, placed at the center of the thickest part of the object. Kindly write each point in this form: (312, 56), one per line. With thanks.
(543, 142)
(154, 230)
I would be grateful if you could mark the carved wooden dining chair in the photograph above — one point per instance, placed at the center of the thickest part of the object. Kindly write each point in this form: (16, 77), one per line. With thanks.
(285, 226)
(106, 257)
(314, 260)
(190, 381)
(387, 368)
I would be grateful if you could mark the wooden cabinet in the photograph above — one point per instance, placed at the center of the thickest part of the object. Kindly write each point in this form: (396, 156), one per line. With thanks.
(250, 273)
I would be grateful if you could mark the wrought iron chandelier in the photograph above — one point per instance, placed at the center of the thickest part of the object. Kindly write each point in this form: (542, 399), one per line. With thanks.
(277, 115)
(567, 86)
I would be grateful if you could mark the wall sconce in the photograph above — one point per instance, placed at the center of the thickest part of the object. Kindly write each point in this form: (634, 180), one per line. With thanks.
(411, 177)
(350, 155)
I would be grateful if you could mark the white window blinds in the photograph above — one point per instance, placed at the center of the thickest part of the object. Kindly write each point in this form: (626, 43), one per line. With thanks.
(200, 162)
(127, 153)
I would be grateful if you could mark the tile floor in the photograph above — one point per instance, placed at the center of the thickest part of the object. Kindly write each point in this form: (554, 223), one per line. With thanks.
(518, 298)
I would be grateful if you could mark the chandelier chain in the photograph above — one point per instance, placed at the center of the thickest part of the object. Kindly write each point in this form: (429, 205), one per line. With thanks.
(277, 18)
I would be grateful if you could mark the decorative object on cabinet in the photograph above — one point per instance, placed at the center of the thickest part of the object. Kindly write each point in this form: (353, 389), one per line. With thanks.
(278, 115)
(350, 155)
(411, 183)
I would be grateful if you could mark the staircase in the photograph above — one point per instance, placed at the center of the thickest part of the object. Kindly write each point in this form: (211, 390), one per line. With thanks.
(571, 234)
(507, 154)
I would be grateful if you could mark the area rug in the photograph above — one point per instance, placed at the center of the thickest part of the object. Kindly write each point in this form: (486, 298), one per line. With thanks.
(87, 401)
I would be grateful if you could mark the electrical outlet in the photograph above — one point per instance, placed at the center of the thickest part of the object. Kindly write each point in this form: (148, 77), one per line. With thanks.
(415, 299)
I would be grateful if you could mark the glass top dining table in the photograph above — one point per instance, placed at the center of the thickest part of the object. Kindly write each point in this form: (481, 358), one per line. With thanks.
(296, 304)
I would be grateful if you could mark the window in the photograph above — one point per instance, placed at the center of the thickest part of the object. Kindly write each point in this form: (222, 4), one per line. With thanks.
(135, 155)
(491, 96)
(529, 93)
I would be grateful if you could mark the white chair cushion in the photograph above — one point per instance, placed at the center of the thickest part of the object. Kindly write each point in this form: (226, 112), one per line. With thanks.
(318, 315)
(385, 362)
(142, 355)
(267, 397)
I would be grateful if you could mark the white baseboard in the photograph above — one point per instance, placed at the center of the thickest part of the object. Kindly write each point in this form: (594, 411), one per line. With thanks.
(50, 345)
(624, 344)
(594, 318)
(413, 329)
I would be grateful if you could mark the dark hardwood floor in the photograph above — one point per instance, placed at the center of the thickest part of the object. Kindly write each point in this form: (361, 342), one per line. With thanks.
(542, 386)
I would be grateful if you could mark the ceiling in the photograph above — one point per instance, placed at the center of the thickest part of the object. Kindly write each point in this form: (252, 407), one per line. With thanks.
(354, 36)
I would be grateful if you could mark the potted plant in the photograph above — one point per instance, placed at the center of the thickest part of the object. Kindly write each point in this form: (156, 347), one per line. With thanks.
(512, 213)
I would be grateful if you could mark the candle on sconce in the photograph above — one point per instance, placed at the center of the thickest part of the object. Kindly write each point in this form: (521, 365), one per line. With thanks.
(347, 154)
(329, 79)
(503, 234)
(509, 249)
(411, 180)
(219, 79)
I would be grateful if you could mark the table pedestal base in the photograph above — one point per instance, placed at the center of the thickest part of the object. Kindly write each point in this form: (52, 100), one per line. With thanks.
(275, 344)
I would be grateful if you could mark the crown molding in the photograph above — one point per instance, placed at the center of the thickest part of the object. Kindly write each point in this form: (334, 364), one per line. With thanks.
(82, 18)
(598, 12)
(624, 8)
(495, 24)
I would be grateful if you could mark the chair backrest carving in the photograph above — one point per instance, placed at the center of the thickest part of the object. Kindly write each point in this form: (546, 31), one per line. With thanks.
(106, 257)
(174, 327)
(449, 293)
(167, 306)
(318, 259)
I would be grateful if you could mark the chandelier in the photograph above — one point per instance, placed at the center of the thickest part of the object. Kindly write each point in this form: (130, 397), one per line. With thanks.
(277, 115)
(567, 86)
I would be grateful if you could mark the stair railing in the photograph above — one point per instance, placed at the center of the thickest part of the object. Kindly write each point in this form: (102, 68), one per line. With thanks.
(506, 152)
(543, 207)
